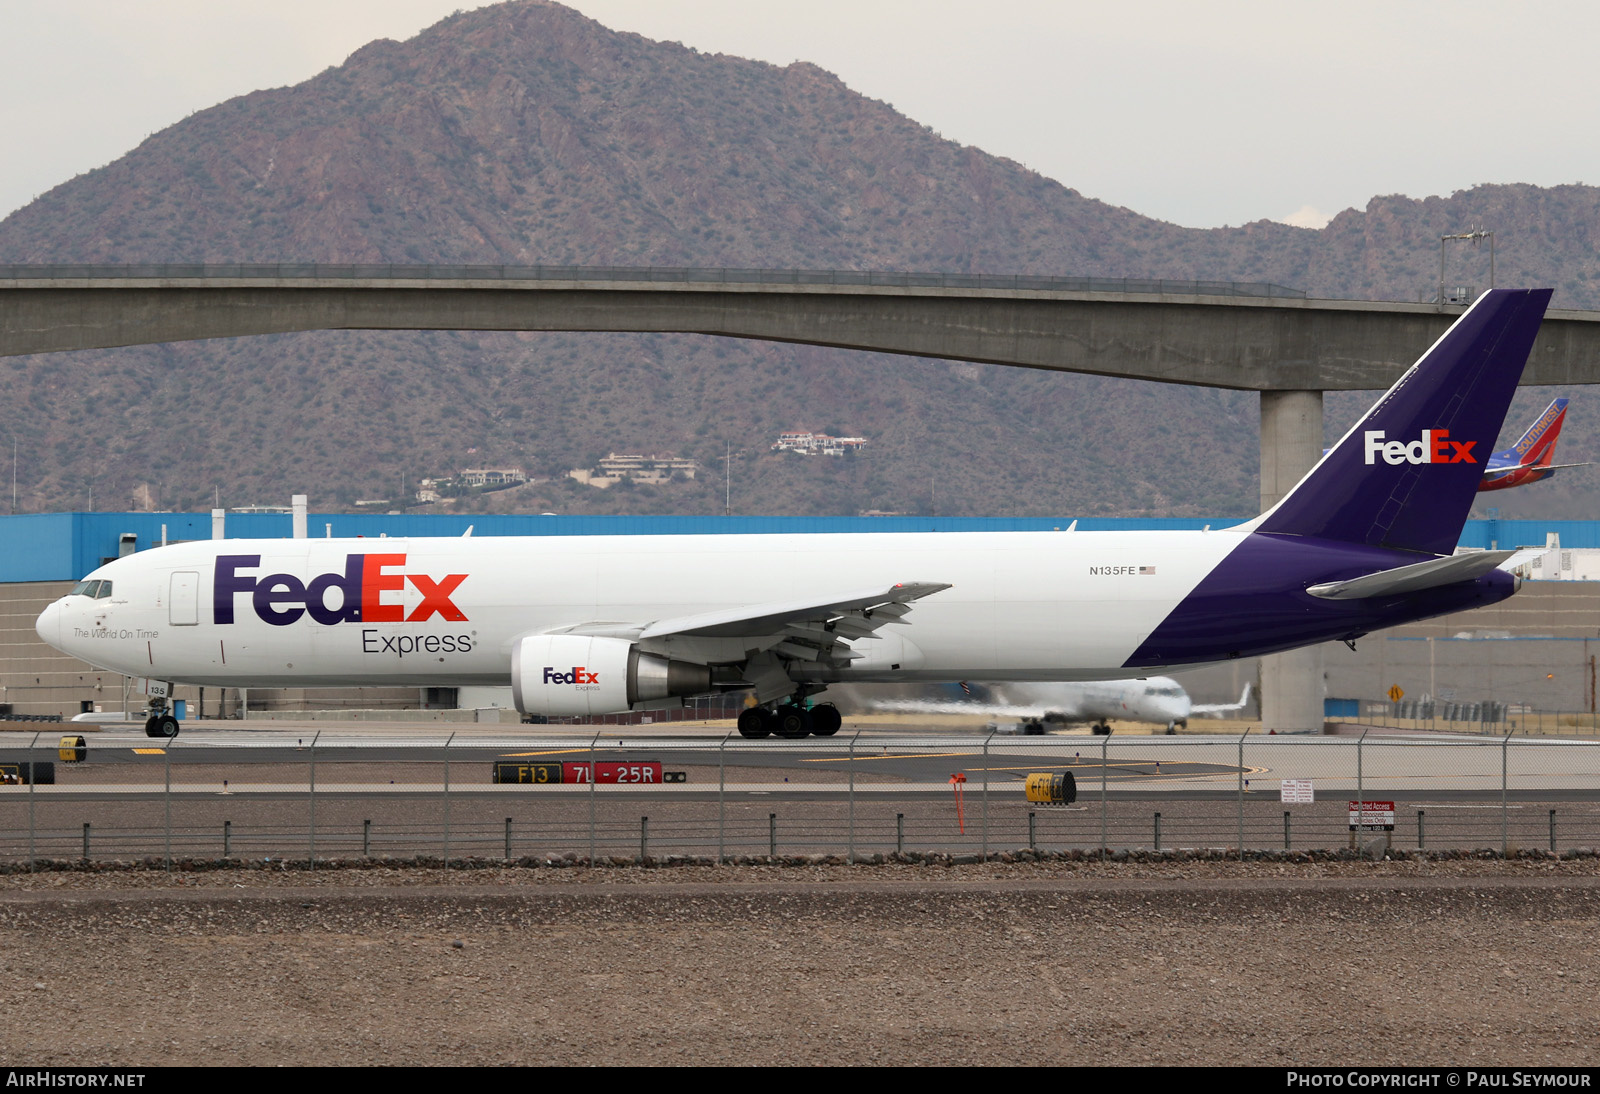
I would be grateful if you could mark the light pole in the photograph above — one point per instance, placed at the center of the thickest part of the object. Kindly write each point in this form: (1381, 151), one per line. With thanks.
(1475, 236)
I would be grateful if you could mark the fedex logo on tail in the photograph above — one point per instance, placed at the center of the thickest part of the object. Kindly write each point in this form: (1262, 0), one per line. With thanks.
(1435, 446)
(282, 599)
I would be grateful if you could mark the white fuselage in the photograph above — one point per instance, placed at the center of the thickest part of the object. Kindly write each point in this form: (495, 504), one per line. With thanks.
(1160, 700)
(1021, 606)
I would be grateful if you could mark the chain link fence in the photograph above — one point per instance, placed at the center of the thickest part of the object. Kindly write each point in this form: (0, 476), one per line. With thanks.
(1488, 717)
(609, 797)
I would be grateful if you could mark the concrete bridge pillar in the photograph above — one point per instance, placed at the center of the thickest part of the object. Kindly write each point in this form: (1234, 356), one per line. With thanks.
(1291, 444)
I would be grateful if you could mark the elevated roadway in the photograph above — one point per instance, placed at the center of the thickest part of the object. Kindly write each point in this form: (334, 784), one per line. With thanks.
(1253, 337)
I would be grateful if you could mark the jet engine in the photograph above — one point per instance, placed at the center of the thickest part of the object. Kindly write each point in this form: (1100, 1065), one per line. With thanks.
(571, 674)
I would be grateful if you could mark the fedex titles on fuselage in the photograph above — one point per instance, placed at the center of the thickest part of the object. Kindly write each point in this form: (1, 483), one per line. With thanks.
(284, 599)
(1435, 446)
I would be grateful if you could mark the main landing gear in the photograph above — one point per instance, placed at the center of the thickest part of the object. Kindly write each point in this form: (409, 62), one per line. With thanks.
(161, 723)
(790, 720)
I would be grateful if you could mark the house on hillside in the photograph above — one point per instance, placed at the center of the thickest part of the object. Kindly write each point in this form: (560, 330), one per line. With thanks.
(643, 470)
(502, 476)
(817, 444)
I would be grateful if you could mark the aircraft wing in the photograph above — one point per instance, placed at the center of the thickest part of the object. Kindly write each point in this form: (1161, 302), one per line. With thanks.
(1409, 579)
(811, 629)
(866, 611)
(934, 706)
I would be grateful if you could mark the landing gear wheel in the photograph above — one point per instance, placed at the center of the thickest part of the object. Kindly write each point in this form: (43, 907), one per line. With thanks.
(1103, 729)
(161, 725)
(753, 722)
(792, 722)
(826, 720)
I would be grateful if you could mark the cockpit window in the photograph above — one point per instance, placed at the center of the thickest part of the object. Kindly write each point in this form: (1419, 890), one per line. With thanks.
(97, 590)
(82, 588)
(103, 591)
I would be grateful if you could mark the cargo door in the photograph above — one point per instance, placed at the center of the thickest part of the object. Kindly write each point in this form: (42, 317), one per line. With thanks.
(183, 606)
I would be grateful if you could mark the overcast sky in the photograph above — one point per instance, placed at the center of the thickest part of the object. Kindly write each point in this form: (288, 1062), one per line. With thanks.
(1201, 114)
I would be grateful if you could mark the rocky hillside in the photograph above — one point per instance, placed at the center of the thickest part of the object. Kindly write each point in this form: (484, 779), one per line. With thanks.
(526, 133)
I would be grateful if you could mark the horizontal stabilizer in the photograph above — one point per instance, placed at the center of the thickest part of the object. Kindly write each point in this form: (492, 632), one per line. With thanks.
(1413, 578)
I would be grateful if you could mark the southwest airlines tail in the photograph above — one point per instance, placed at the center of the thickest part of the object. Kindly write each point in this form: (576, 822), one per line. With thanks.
(1540, 439)
(1404, 476)
(1533, 457)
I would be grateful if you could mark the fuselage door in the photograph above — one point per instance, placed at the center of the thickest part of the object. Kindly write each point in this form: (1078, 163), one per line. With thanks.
(183, 606)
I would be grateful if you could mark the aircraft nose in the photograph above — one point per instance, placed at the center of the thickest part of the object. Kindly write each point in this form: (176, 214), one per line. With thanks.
(49, 625)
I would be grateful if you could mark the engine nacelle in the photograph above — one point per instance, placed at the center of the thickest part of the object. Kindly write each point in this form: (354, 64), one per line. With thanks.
(572, 674)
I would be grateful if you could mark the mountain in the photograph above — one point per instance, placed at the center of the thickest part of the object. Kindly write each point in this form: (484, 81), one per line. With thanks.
(527, 133)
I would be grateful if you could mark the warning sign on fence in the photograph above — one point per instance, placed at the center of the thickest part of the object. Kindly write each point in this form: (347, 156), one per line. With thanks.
(1372, 815)
(1296, 792)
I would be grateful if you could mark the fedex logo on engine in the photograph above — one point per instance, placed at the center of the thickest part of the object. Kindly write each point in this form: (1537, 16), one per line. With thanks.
(358, 593)
(1434, 447)
(578, 675)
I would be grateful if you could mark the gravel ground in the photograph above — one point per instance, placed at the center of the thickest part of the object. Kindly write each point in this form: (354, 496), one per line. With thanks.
(1395, 963)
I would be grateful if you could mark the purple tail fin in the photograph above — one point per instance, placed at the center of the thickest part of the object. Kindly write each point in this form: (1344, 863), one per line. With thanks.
(1405, 475)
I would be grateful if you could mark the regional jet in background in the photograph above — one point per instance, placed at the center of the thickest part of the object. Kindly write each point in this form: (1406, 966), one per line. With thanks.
(1155, 700)
(1531, 458)
(581, 625)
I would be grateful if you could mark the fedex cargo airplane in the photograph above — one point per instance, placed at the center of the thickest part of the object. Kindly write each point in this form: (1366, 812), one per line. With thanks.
(589, 625)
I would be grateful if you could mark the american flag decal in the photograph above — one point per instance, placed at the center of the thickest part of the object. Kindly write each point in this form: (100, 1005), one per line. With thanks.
(1147, 569)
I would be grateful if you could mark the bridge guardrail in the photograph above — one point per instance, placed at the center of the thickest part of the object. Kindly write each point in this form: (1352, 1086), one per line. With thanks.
(659, 274)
